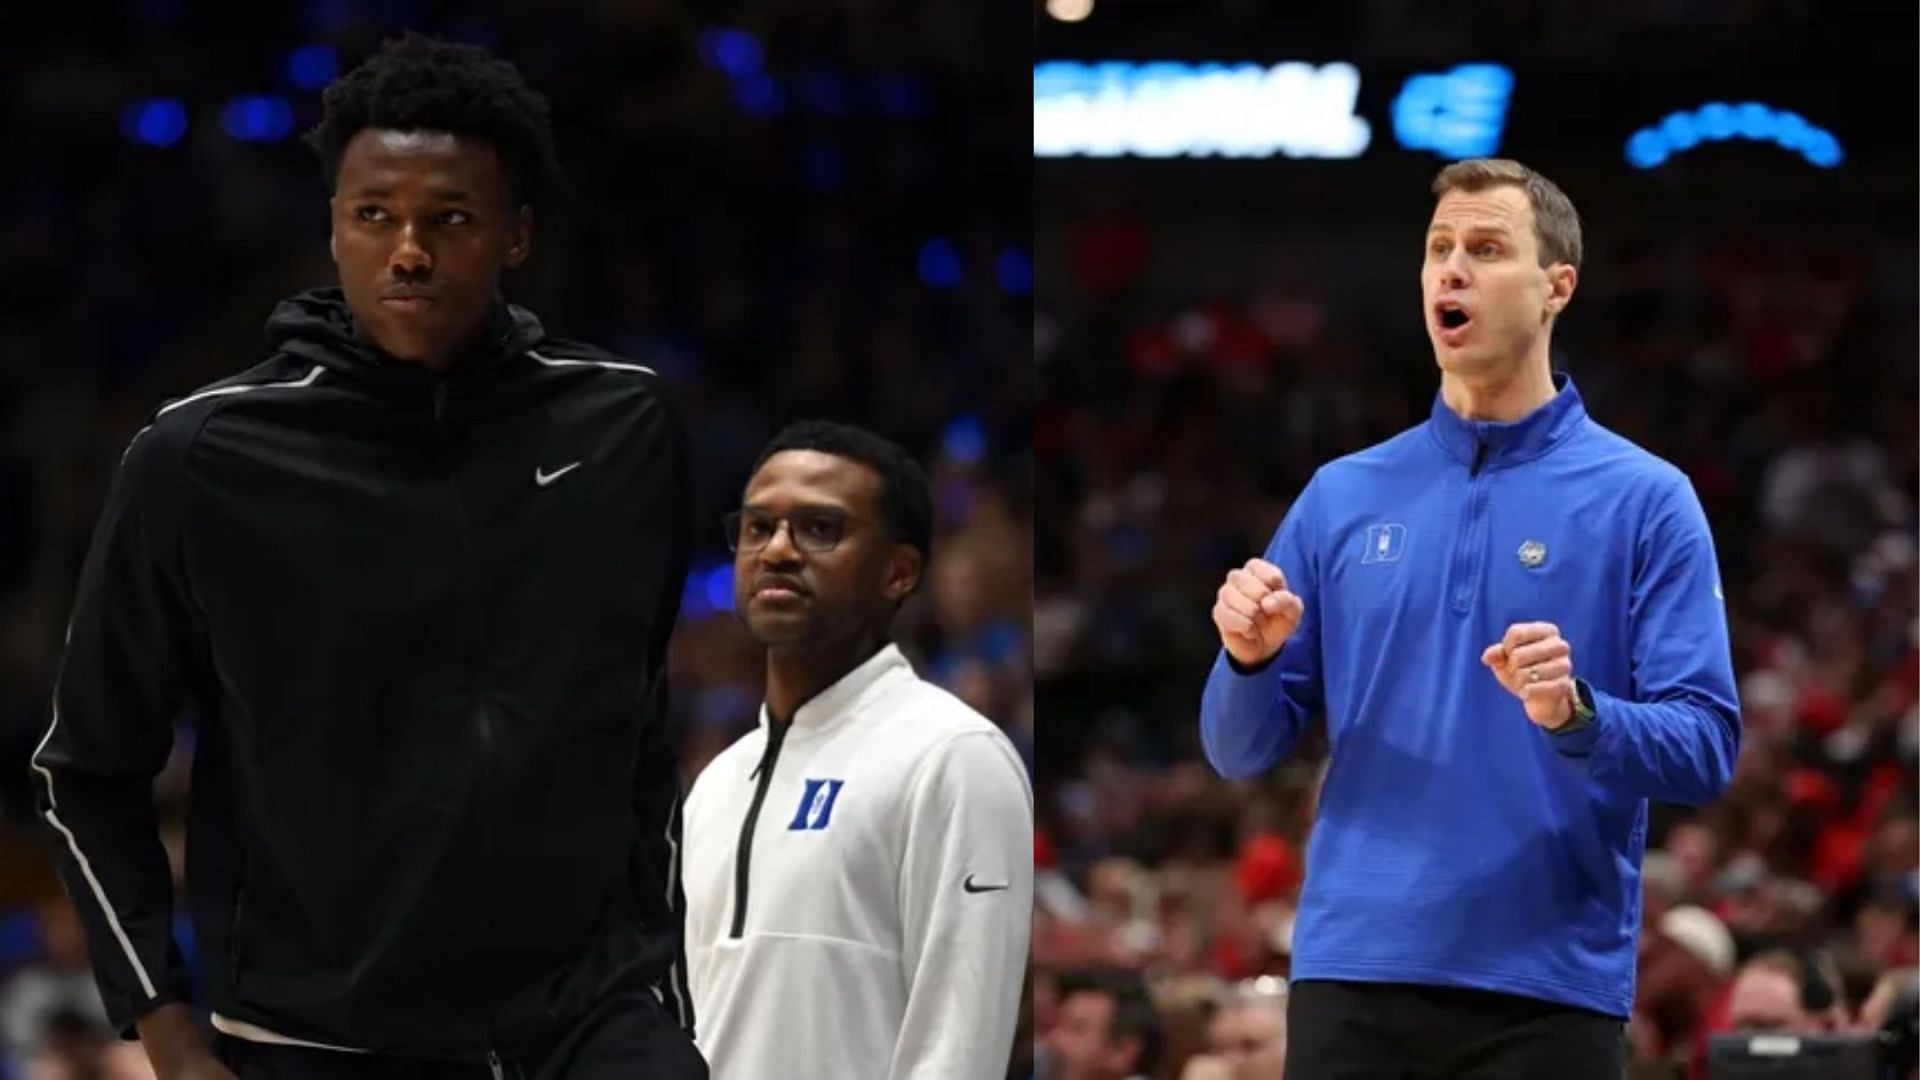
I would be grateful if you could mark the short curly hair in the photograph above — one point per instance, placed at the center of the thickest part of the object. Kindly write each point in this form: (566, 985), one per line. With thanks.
(418, 83)
(906, 500)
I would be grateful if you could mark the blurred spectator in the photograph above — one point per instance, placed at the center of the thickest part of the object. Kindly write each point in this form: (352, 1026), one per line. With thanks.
(1106, 1029)
(55, 1000)
(1248, 1033)
(1893, 1011)
(1685, 954)
(1771, 994)
(77, 1048)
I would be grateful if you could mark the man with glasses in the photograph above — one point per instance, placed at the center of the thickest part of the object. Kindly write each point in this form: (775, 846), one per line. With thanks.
(859, 869)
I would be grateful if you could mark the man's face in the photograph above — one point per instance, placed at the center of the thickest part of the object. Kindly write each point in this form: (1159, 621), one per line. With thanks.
(1767, 1000)
(422, 228)
(1080, 1044)
(1250, 1038)
(788, 590)
(1487, 297)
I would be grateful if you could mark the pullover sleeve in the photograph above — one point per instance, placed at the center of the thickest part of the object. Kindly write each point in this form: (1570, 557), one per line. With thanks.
(966, 910)
(122, 679)
(1250, 718)
(1676, 735)
(658, 800)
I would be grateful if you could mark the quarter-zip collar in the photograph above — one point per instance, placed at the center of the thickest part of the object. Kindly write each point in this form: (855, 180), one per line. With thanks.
(1511, 442)
(844, 698)
(317, 325)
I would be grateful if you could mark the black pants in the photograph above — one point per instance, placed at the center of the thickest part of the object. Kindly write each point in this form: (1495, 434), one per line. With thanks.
(623, 1038)
(1404, 1031)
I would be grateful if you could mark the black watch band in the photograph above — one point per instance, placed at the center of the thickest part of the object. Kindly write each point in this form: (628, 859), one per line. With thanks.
(1583, 713)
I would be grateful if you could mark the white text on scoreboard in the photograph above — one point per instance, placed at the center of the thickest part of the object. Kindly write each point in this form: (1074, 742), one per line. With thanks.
(1165, 109)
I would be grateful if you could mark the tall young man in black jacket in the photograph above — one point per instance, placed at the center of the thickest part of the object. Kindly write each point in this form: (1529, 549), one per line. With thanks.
(414, 575)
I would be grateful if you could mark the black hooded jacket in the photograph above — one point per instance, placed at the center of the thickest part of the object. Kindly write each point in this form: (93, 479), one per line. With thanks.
(419, 624)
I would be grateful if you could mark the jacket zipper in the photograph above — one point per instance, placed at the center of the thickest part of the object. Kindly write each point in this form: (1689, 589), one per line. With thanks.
(776, 734)
(1469, 546)
(444, 449)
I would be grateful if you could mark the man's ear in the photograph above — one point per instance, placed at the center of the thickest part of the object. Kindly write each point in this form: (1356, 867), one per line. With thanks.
(903, 572)
(1562, 279)
(521, 244)
(333, 235)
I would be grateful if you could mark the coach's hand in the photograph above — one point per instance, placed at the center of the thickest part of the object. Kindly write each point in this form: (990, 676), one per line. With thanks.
(1255, 612)
(1535, 664)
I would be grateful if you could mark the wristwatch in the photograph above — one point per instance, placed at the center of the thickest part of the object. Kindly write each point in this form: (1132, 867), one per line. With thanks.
(1583, 713)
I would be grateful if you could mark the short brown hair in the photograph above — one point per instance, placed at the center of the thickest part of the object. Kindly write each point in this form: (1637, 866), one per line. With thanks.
(1556, 224)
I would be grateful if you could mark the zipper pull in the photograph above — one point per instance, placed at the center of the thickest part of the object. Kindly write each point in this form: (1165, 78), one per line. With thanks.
(493, 1063)
(1479, 459)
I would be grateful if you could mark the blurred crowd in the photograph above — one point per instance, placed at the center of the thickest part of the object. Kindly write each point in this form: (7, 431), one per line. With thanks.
(788, 209)
(1775, 366)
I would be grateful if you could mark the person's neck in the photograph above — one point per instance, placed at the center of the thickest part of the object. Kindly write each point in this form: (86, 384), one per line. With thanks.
(1499, 397)
(796, 674)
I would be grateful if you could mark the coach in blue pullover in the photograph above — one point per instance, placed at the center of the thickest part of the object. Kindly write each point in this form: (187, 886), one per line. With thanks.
(1512, 621)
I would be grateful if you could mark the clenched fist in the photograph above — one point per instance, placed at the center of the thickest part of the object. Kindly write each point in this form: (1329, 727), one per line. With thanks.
(1535, 665)
(1255, 612)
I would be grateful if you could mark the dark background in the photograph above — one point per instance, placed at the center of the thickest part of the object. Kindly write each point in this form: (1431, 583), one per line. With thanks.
(788, 208)
(1209, 331)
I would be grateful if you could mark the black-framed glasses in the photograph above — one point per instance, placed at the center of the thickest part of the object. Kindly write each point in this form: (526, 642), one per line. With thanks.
(814, 530)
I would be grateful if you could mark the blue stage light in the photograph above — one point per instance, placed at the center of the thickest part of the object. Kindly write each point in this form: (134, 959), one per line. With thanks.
(940, 264)
(155, 121)
(735, 52)
(719, 587)
(1718, 121)
(312, 67)
(257, 118)
(1458, 114)
(1013, 269)
(965, 439)
(759, 95)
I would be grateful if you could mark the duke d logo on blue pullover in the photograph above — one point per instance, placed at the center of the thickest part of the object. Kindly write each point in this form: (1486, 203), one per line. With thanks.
(1455, 842)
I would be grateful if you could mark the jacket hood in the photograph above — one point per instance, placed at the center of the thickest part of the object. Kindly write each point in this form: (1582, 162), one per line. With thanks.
(318, 325)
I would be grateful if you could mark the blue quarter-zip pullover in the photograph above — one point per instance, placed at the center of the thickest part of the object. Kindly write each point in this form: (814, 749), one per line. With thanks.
(1456, 843)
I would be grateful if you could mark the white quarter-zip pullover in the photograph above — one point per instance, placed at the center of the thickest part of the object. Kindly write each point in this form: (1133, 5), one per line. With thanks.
(860, 888)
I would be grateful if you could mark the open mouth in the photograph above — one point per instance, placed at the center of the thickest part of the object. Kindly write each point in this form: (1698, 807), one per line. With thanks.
(1451, 315)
